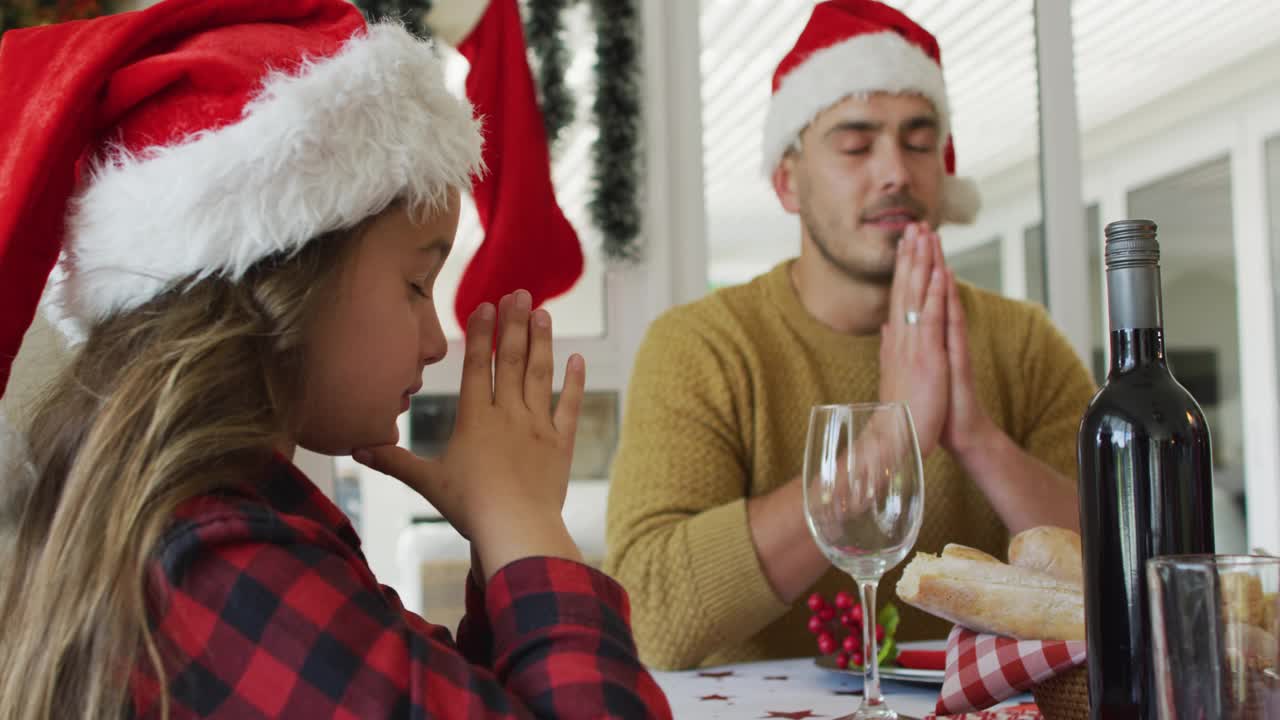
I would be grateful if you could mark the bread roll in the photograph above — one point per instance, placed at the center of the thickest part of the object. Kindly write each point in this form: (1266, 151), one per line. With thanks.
(1051, 550)
(1243, 599)
(1251, 642)
(964, 552)
(973, 589)
(1269, 607)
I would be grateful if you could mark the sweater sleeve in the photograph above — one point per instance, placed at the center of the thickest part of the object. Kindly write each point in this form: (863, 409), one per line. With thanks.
(677, 529)
(1059, 389)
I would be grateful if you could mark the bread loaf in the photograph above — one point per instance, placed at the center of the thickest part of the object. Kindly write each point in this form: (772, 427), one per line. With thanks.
(964, 552)
(973, 589)
(1051, 550)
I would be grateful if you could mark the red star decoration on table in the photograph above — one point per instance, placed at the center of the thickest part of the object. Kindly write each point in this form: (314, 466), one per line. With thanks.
(797, 715)
(705, 698)
(715, 674)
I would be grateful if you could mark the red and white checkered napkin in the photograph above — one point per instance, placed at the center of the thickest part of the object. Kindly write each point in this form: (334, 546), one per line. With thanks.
(1026, 711)
(984, 669)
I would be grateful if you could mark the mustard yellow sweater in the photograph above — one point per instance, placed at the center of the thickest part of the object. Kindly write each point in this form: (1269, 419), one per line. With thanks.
(717, 412)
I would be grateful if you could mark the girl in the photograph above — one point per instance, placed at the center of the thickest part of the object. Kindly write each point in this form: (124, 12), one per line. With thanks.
(241, 207)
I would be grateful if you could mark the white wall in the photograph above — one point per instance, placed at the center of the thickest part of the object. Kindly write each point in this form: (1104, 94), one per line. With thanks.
(41, 356)
(1193, 298)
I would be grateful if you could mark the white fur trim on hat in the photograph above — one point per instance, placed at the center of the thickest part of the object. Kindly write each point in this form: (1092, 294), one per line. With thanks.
(961, 200)
(453, 20)
(316, 151)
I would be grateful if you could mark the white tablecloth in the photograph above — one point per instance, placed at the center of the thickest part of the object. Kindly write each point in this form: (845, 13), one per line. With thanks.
(785, 689)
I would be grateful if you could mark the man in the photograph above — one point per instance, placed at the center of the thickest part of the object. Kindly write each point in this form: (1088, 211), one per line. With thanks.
(705, 523)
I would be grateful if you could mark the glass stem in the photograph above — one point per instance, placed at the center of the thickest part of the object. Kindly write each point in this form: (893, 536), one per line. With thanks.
(870, 668)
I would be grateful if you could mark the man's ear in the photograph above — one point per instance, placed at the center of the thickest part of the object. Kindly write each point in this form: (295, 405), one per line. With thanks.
(785, 182)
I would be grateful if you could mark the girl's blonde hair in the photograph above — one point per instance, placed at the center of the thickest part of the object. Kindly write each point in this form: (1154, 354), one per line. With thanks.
(191, 392)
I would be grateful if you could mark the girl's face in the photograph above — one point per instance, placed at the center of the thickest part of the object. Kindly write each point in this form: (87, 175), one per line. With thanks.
(367, 350)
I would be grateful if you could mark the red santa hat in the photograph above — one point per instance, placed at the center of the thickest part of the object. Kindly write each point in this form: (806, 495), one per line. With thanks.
(853, 47)
(195, 138)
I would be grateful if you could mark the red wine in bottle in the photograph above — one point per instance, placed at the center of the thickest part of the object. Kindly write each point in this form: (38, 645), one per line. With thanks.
(1146, 478)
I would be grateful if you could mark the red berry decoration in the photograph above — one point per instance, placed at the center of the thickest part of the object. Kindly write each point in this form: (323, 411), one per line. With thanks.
(843, 642)
(826, 643)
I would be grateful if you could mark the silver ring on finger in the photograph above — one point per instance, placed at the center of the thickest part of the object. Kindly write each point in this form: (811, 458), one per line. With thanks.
(913, 317)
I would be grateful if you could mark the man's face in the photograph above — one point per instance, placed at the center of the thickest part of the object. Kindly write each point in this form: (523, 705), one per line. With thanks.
(867, 167)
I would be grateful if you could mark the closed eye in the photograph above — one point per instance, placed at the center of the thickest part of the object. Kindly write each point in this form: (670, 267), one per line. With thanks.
(921, 144)
(419, 288)
(922, 138)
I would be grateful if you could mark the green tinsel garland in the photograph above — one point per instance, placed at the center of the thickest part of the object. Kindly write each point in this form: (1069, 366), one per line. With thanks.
(614, 207)
(544, 31)
(9, 18)
(413, 13)
(614, 204)
(16, 14)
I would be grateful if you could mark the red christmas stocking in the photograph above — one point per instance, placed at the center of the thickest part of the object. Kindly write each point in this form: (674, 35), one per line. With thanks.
(528, 242)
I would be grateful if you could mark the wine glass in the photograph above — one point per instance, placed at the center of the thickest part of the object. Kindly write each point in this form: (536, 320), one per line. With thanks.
(863, 502)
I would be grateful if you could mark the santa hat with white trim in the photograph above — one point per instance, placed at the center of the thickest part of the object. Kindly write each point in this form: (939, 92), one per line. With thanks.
(854, 47)
(195, 138)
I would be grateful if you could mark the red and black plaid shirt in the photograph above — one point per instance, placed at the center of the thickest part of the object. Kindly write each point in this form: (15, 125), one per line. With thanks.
(266, 608)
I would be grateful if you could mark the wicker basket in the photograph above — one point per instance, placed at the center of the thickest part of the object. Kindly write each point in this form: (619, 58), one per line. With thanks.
(1065, 696)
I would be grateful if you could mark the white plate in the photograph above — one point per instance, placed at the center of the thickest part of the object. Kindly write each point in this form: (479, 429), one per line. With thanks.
(890, 672)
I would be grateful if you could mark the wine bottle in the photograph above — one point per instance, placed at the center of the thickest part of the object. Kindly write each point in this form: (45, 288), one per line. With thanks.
(1146, 478)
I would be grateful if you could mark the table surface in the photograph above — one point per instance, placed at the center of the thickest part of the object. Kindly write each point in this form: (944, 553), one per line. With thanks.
(793, 688)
